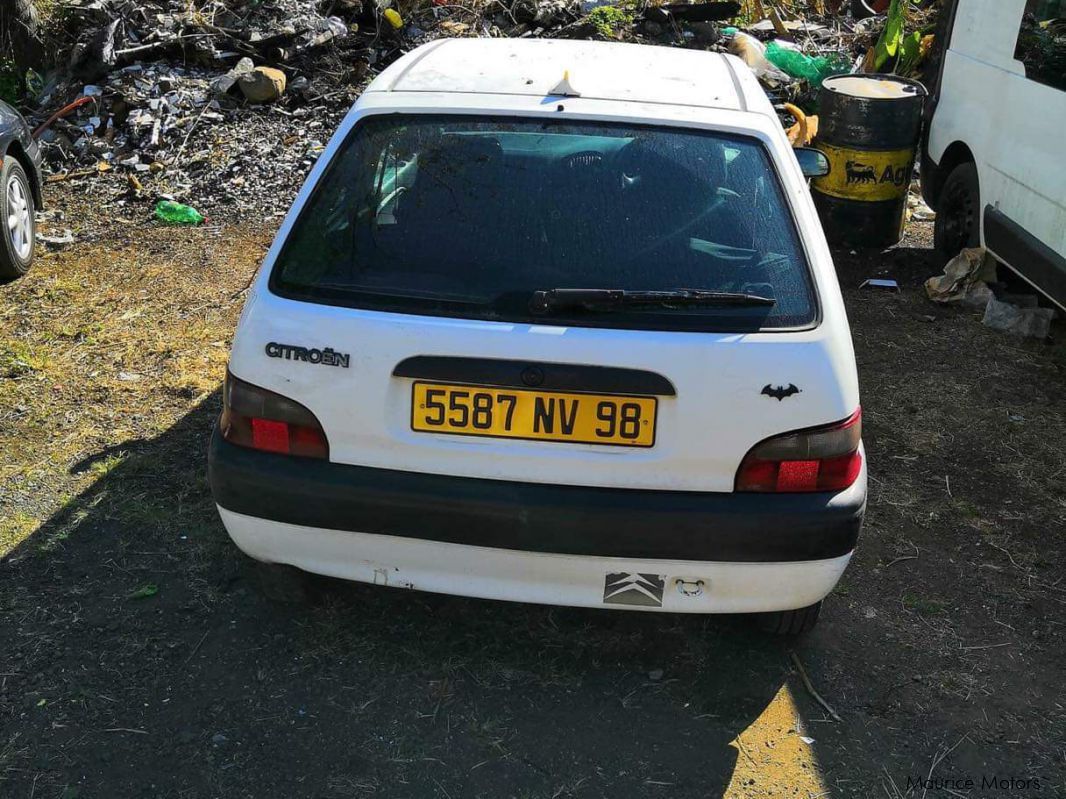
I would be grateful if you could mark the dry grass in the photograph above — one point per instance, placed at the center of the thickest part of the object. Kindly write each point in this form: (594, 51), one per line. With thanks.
(955, 590)
(105, 344)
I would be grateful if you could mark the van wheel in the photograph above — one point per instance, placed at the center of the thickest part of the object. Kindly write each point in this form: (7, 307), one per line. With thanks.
(16, 214)
(958, 222)
(790, 622)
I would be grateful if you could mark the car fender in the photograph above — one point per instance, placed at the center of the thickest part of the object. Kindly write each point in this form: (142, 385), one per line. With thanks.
(15, 131)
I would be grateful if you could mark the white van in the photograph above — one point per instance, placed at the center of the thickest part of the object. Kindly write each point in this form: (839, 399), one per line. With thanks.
(993, 161)
(552, 322)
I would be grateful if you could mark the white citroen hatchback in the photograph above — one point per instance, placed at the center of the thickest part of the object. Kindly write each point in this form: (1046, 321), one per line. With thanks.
(552, 322)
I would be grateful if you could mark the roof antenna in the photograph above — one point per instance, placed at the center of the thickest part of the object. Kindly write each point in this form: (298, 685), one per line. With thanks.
(563, 87)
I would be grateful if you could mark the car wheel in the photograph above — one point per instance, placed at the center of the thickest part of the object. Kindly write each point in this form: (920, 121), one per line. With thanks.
(790, 622)
(16, 211)
(958, 217)
(285, 585)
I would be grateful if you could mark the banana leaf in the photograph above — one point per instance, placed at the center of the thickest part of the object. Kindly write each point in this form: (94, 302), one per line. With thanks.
(888, 46)
(910, 53)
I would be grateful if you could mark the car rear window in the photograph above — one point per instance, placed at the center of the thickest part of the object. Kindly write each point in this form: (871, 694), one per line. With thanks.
(468, 216)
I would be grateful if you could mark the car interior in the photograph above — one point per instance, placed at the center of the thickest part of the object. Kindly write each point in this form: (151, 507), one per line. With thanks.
(471, 214)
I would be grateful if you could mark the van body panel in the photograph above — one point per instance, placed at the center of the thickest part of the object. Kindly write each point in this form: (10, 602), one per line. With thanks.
(1012, 125)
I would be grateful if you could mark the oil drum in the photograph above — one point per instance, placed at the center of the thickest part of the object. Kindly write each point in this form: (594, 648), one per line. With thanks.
(868, 128)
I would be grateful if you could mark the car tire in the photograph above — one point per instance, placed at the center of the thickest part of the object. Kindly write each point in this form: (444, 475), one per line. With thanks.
(285, 585)
(17, 214)
(791, 622)
(958, 217)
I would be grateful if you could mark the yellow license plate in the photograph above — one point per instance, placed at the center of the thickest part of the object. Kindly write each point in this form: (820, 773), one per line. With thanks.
(615, 420)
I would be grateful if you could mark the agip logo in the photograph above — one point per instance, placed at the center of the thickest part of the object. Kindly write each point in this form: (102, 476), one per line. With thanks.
(869, 176)
(866, 174)
(860, 173)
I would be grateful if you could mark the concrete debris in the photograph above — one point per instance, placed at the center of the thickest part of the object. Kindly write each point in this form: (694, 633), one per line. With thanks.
(223, 84)
(56, 241)
(1019, 316)
(262, 84)
(918, 210)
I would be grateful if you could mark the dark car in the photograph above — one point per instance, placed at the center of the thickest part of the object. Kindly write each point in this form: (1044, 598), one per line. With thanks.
(20, 193)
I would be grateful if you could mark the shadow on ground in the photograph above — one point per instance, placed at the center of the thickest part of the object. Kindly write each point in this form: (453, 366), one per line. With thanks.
(141, 659)
(138, 656)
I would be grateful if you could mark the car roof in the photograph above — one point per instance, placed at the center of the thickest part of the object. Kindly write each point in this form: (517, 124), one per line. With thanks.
(598, 70)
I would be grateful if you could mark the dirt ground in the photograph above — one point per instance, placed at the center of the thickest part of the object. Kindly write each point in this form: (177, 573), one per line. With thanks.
(140, 658)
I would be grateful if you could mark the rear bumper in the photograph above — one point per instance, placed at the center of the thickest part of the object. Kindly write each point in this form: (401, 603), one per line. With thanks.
(533, 517)
(543, 578)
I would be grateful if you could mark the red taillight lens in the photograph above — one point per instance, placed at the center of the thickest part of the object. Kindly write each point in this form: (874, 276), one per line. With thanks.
(819, 459)
(260, 419)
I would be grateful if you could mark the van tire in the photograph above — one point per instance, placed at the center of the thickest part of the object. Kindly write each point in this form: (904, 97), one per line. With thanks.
(958, 218)
(15, 184)
(790, 622)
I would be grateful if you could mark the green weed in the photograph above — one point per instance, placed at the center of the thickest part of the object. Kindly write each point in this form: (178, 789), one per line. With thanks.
(609, 20)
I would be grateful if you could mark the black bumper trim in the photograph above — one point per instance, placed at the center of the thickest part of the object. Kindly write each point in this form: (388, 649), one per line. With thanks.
(535, 374)
(533, 517)
(1026, 254)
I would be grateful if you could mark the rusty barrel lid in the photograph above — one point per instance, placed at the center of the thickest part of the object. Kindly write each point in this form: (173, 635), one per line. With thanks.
(874, 86)
(871, 111)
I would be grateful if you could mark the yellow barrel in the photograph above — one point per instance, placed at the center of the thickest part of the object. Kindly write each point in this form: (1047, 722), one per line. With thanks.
(868, 128)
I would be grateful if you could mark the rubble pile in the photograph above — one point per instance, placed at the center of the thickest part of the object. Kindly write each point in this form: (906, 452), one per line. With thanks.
(170, 128)
(226, 104)
(220, 105)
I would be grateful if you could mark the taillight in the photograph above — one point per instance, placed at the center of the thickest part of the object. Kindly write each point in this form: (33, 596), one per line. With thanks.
(260, 419)
(818, 459)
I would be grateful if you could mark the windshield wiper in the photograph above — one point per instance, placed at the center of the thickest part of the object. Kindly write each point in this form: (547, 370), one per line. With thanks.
(543, 302)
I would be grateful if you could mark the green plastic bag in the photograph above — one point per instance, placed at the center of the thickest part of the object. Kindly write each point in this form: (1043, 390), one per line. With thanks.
(813, 69)
(177, 214)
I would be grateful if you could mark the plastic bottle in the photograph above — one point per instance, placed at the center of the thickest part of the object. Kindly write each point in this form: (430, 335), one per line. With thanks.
(753, 53)
(177, 214)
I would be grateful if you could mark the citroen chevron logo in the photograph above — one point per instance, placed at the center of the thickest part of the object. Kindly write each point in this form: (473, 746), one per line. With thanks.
(623, 588)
